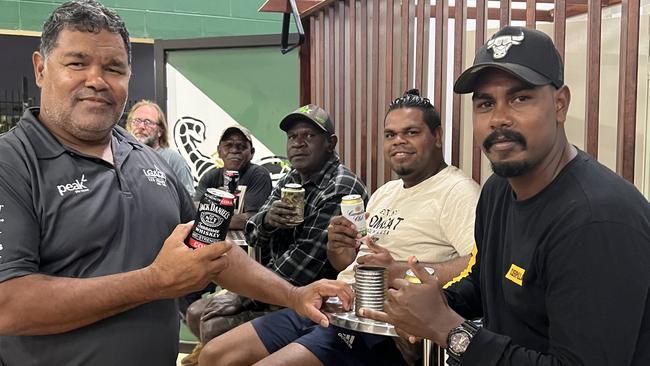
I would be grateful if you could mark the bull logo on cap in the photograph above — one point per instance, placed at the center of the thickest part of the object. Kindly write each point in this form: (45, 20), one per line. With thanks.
(500, 45)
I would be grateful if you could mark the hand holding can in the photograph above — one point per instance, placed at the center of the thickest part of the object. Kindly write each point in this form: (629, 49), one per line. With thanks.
(294, 195)
(352, 208)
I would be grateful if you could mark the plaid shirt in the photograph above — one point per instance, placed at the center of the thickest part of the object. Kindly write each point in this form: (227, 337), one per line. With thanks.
(299, 255)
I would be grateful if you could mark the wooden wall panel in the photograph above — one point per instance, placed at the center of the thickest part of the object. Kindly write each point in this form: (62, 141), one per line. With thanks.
(365, 53)
(627, 91)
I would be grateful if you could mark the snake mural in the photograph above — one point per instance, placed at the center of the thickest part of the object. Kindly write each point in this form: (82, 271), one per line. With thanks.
(190, 132)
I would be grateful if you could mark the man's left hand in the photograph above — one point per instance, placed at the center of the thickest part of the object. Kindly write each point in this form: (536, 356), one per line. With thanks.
(307, 300)
(418, 310)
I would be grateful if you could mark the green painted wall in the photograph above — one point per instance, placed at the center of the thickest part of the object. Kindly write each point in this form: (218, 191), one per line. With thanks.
(256, 86)
(159, 19)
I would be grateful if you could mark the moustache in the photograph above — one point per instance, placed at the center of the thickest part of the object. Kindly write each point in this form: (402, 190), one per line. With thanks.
(89, 93)
(502, 134)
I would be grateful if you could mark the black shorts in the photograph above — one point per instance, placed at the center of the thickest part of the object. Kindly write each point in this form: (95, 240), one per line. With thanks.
(332, 345)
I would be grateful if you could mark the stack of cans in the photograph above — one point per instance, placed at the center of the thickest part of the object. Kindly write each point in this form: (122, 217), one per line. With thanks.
(370, 288)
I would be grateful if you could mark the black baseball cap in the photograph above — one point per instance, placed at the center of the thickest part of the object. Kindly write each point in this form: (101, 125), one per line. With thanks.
(527, 54)
(310, 113)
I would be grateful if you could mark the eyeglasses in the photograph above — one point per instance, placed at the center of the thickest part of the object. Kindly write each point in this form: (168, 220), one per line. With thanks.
(145, 122)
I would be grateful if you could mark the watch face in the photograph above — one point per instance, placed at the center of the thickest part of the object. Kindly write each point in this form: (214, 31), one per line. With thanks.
(458, 342)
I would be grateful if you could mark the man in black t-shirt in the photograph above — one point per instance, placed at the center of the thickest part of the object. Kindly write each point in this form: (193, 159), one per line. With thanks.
(236, 150)
(560, 274)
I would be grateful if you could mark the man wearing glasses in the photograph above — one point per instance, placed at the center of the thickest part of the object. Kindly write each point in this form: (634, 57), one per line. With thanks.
(148, 124)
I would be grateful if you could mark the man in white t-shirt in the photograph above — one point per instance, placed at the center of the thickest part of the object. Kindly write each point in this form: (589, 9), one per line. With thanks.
(428, 212)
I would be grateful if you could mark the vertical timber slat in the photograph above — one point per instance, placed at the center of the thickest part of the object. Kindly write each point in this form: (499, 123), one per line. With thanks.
(313, 55)
(374, 104)
(405, 69)
(531, 12)
(331, 67)
(440, 67)
(627, 89)
(321, 59)
(559, 23)
(353, 85)
(504, 14)
(340, 91)
(419, 46)
(460, 18)
(390, 13)
(481, 25)
(363, 62)
(593, 77)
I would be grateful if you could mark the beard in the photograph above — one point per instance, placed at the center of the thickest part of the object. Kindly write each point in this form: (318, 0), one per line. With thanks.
(150, 140)
(402, 171)
(510, 169)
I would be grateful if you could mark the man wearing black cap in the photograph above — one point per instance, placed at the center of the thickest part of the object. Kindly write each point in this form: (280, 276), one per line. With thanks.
(254, 186)
(560, 275)
(236, 150)
(298, 252)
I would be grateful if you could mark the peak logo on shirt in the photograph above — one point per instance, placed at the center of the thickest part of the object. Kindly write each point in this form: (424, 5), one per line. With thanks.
(156, 176)
(516, 274)
(78, 186)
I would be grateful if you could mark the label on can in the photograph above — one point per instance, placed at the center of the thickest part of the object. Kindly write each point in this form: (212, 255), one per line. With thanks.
(412, 278)
(231, 180)
(293, 194)
(352, 208)
(212, 218)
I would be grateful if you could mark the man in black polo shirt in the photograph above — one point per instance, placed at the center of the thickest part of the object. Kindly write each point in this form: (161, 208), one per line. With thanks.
(561, 274)
(91, 250)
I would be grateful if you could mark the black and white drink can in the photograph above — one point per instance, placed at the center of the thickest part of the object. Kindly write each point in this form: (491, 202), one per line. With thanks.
(212, 218)
(231, 180)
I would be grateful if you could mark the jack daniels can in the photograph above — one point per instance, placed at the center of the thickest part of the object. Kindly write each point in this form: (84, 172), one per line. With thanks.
(212, 218)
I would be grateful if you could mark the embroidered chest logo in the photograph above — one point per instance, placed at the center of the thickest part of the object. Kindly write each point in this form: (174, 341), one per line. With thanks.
(78, 186)
(500, 45)
(156, 176)
(516, 274)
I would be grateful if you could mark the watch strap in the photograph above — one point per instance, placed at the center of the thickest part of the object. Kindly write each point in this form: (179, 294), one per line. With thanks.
(468, 327)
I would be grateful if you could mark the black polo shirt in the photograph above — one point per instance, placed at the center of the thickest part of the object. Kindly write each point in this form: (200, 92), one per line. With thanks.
(65, 214)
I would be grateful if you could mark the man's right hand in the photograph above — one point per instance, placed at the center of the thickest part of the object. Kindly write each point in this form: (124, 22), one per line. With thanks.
(342, 235)
(342, 242)
(280, 215)
(178, 270)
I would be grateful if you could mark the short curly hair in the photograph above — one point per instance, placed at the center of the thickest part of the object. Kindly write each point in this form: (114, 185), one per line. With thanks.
(84, 16)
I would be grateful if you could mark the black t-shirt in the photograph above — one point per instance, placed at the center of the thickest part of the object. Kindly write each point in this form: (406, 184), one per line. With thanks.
(64, 214)
(562, 278)
(255, 178)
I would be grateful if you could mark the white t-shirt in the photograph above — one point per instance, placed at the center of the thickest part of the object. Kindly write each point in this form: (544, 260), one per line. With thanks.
(433, 220)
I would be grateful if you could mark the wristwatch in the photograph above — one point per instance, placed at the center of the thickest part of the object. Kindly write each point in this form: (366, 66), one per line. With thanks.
(458, 341)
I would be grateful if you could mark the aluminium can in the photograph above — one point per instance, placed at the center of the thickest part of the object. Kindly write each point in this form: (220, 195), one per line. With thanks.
(212, 218)
(293, 194)
(231, 180)
(352, 208)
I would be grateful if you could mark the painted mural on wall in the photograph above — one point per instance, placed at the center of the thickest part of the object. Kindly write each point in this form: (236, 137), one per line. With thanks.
(188, 133)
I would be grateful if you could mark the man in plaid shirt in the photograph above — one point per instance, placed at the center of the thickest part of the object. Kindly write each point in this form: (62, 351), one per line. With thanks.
(299, 253)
